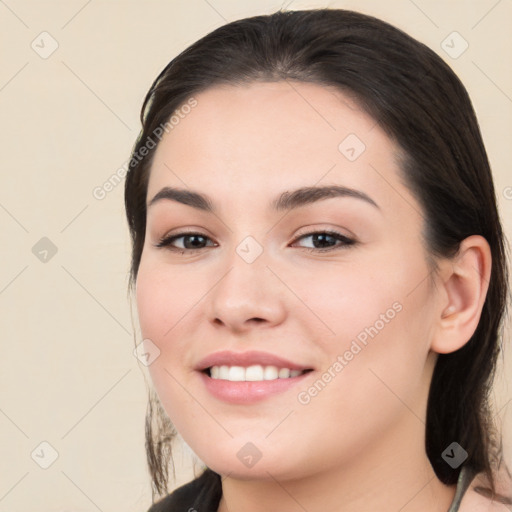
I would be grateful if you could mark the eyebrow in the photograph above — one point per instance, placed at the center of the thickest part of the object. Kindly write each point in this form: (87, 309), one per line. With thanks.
(287, 200)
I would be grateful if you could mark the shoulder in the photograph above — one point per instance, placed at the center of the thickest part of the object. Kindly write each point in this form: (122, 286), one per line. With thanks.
(205, 490)
(477, 497)
(475, 502)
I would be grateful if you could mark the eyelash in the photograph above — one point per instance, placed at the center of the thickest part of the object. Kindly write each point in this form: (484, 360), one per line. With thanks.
(167, 241)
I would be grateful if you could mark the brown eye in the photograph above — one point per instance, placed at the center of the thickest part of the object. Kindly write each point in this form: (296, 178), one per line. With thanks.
(324, 241)
(190, 242)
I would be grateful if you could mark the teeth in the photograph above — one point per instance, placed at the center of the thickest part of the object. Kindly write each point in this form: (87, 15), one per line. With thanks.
(255, 372)
(270, 372)
(284, 373)
(252, 373)
(236, 373)
(223, 372)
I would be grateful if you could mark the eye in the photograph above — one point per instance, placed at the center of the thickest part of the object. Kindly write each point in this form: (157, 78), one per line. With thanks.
(190, 242)
(327, 240)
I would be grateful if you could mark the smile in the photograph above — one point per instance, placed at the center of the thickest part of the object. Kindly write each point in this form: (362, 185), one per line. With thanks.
(252, 373)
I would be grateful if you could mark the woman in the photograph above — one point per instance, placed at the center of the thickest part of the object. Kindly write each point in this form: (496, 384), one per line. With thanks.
(320, 271)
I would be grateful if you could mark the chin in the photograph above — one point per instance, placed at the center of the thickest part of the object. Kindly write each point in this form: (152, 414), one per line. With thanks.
(263, 469)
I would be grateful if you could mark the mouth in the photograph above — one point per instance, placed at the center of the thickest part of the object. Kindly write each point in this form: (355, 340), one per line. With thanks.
(249, 377)
(249, 366)
(238, 385)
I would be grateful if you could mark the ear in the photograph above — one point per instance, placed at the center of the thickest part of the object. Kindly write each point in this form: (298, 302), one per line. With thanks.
(465, 281)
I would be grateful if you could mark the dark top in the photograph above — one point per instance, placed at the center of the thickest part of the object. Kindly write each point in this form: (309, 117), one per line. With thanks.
(203, 494)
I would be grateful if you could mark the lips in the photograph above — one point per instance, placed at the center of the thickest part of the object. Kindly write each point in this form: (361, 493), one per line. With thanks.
(250, 391)
(246, 359)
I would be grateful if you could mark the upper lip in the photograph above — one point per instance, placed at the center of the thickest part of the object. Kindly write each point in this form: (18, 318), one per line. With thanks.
(249, 358)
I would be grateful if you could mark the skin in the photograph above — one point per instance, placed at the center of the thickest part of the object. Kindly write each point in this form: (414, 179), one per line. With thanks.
(359, 444)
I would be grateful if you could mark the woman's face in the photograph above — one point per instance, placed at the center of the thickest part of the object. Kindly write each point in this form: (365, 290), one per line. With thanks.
(359, 313)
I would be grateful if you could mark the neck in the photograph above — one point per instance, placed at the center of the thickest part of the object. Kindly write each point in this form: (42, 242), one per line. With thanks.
(392, 476)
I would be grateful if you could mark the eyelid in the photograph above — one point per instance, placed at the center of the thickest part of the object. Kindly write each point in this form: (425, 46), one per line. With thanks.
(326, 229)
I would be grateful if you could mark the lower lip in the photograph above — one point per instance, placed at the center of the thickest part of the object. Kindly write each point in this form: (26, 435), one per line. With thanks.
(244, 392)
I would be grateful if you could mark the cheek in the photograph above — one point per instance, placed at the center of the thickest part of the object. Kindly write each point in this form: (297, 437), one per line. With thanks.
(375, 365)
(168, 304)
(152, 304)
(377, 312)
(165, 300)
(347, 300)
(159, 310)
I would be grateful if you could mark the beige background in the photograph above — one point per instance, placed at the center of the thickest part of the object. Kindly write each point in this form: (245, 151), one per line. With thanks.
(68, 376)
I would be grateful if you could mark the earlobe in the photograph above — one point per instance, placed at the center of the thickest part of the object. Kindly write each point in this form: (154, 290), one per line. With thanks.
(465, 284)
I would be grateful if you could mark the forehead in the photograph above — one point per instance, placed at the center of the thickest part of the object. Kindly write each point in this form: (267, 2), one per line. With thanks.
(267, 136)
(272, 115)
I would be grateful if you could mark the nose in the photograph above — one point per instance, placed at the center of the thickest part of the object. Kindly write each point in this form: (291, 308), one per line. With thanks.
(247, 296)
